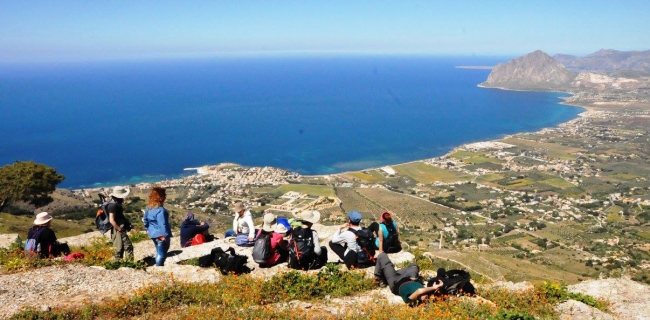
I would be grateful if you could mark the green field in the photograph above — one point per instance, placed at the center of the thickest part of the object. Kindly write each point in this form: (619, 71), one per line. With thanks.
(424, 173)
(558, 183)
(315, 190)
(555, 150)
(371, 176)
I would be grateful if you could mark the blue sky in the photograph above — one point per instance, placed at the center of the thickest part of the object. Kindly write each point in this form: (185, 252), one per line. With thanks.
(89, 30)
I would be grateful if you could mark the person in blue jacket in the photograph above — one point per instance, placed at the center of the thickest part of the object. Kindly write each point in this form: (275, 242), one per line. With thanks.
(190, 228)
(156, 221)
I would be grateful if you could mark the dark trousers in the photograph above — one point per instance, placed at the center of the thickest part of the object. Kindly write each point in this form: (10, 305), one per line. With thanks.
(351, 259)
(385, 269)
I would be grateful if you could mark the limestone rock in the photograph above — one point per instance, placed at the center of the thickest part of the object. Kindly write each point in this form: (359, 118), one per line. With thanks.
(534, 71)
(628, 299)
(576, 310)
(7, 239)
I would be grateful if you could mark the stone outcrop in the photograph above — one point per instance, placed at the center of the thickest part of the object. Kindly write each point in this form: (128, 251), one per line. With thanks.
(628, 299)
(534, 71)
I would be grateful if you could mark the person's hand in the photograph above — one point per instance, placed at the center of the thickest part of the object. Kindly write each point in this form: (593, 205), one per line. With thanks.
(202, 223)
(250, 238)
(437, 284)
(161, 238)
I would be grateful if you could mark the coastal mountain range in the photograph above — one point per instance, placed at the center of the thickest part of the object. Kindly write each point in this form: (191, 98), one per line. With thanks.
(602, 70)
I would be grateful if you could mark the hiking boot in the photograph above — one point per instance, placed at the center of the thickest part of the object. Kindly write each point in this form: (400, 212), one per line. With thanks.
(381, 282)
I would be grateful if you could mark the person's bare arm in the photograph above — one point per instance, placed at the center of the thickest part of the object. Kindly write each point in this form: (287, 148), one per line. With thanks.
(380, 235)
(111, 219)
(422, 291)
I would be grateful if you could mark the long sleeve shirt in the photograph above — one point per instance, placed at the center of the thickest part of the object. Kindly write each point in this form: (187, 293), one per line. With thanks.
(244, 224)
(348, 237)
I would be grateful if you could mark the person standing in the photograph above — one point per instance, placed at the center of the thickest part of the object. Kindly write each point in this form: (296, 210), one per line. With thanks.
(156, 221)
(120, 224)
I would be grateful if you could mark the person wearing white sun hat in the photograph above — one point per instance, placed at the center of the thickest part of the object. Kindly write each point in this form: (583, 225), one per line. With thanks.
(41, 239)
(122, 245)
(307, 219)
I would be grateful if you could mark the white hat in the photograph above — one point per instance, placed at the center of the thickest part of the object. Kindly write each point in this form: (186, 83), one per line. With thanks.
(311, 216)
(120, 192)
(280, 228)
(42, 218)
(269, 222)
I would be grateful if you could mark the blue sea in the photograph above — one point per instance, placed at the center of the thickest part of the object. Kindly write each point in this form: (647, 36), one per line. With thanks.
(119, 122)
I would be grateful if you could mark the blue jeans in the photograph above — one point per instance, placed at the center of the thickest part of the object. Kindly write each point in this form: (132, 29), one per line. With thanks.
(230, 233)
(162, 246)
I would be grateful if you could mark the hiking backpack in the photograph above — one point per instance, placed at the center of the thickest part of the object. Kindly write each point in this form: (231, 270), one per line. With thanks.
(455, 282)
(228, 261)
(102, 219)
(301, 248)
(262, 248)
(391, 242)
(366, 241)
(32, 245)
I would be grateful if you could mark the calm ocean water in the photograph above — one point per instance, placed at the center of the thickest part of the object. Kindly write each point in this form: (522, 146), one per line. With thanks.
(125, 122)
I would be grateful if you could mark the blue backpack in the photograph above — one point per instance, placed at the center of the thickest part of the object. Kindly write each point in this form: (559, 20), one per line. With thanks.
(32, 245)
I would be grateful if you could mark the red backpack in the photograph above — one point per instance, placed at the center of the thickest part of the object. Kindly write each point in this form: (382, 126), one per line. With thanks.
(198, 239)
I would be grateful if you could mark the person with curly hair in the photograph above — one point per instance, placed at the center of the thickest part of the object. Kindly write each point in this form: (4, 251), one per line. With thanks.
(156, 221)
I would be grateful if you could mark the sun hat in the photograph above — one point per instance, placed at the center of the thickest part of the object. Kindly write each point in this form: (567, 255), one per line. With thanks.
(311, 216)
(42, 218)
(269, 222)
(280, 228)
(189, 216)
(354, 216)
(120, 192)
(239, 207)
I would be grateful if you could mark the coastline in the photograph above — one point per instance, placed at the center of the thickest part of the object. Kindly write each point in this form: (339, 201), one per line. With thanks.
(200, 169)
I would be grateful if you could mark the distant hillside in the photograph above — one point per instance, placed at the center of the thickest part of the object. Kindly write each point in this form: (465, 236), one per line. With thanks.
(631, 63)
(534, 71)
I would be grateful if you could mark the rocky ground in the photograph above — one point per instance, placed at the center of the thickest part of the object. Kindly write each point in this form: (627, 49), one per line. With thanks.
(73, 284)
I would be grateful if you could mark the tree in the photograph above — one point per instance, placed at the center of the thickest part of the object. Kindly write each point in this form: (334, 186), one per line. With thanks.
(28, 181)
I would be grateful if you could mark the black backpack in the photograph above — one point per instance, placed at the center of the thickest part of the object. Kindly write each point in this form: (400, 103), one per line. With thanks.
(262, 248)
(365, 240)
(455, 283)
(301, 248)
(391, 242)
(228, 261)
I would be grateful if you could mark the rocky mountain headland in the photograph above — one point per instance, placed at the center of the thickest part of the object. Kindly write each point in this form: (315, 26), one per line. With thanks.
(606, 76)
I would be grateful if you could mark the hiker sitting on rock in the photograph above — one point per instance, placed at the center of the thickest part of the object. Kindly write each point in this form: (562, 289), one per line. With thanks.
(387, 234)
(41, 239)
(403, 282)
(344, 241)
(319, 257)
(242, 226)
(194, 232)
(277, 245)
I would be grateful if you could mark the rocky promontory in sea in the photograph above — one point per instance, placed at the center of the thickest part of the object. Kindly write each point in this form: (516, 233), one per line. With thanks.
(605, 76)
(534, 71)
